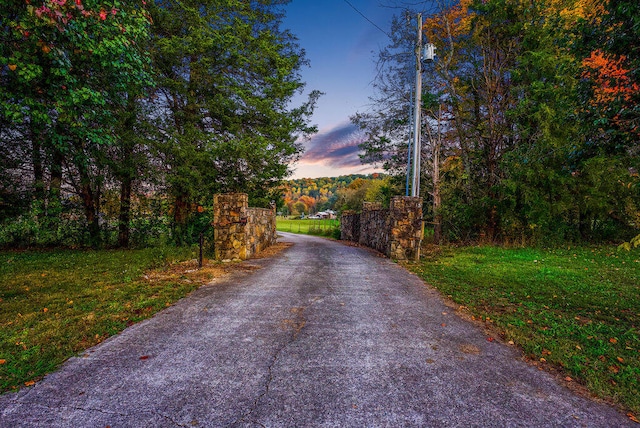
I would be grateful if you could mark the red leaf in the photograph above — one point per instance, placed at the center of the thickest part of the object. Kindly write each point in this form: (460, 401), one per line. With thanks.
(144, 357)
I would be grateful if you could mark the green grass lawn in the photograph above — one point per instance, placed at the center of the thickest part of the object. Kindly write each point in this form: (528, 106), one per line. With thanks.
(54, 304)
(576, 309)
(309, 226)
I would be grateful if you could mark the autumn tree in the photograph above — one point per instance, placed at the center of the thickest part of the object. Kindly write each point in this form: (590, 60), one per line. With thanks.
(504, 141)
(608, 42)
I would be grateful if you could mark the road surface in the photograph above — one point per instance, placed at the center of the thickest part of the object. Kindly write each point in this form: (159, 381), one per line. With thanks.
(323, 335)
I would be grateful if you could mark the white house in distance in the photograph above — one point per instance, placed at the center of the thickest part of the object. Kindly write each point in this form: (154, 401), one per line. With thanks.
(328, 214)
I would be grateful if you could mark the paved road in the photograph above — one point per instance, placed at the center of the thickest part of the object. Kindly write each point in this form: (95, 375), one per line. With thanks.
(322, 335)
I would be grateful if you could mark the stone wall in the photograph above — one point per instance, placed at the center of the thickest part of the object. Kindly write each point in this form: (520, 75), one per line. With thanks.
(374, 227)
(350, 226)
(261, 227)
(240, 231)
(396, 232)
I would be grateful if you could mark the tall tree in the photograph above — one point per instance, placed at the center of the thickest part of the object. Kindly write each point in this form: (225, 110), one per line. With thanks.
(608, 42)
(227, 73)
(65, 68)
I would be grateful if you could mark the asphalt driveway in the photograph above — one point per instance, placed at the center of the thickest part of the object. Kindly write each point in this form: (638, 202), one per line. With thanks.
(321, 335)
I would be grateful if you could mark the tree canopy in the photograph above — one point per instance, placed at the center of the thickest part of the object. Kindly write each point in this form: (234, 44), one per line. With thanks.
(107, 108)
(530, 118)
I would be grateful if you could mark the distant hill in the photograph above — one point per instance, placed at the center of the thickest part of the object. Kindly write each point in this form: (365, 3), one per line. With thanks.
(311, 195)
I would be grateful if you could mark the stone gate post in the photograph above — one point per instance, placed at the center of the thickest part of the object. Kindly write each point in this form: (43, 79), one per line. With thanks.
(405, 222)
(230, 226)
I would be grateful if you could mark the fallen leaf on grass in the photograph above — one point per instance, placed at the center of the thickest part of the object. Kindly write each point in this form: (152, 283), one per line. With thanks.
(3, 361)
(30, 383)
(568, 379)
(620, 359)
(613, 340)
(542, 359)
(45, 310)
(633, 418)
(614, 369)
(546, 352)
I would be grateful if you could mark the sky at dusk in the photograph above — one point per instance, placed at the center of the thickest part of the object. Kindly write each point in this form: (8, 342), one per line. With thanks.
(341, 46)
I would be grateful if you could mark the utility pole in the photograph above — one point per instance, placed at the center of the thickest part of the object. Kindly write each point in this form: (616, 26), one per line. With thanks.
(415, 188)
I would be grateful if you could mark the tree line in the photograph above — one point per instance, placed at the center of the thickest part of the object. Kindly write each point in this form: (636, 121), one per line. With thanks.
(346, 192)
(531, 118)
(118, 123)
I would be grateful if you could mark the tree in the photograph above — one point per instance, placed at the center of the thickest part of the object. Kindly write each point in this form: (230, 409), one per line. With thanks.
(608, 43)
(65, 68)
(504, 149)
(226, 76)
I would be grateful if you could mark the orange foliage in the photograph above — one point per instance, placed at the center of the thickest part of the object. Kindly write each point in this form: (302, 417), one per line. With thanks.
(573, 10)
(308, 201)
(610, 76)
(452, 22)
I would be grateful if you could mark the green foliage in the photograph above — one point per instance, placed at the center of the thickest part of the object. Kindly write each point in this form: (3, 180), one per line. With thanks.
(633, 243)
(33, 230)
(526, 153)
(577, 308)
(99, 103)
(65, 70)
(227, 75)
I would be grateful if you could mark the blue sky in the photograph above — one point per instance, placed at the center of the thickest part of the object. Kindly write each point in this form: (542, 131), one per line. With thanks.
(340, 45)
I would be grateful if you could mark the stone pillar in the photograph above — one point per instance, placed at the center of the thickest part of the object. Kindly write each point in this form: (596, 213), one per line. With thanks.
(405, 222)
(230, 226)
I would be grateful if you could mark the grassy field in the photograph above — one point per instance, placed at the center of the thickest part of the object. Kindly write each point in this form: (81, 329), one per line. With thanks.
(309, 227)
(576, 309)
(55, 304)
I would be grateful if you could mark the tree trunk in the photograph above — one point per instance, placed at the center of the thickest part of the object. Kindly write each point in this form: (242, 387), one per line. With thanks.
(54, 203)
(125, 212)
(180, 215)
(126, 172)
(36, 159)
(437, 199)
(90, 212)
(91, 204)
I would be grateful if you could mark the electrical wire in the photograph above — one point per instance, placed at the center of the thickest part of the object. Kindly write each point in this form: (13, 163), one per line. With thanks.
(365, 17)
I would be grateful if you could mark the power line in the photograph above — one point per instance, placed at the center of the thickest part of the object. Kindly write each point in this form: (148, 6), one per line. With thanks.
(364, 16)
